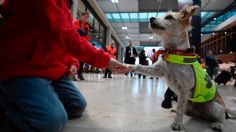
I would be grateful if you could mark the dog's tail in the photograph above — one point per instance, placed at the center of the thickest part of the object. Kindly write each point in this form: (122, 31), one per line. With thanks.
(231, 111)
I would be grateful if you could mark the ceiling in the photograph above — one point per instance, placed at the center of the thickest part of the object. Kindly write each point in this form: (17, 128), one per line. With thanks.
(141, 10)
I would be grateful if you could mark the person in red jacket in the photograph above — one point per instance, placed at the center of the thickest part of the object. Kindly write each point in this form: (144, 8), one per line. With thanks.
(112, 51)
(83, 28)
(34, 89)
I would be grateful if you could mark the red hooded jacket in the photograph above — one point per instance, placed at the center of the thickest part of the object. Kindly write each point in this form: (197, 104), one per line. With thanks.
(83, 26)
(35, 36)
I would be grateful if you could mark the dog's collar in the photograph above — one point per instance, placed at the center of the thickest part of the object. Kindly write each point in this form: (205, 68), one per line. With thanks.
(178, 56)
(187, 52)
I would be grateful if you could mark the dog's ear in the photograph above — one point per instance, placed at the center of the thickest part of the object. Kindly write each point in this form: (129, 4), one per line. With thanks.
(188, 11)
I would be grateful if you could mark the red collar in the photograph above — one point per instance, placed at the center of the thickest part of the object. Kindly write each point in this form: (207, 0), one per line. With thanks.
(187, 52)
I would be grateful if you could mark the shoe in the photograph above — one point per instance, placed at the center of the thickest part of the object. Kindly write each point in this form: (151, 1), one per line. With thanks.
(226, 115)
(109, 77)
(151, 78)
(166, 104)
(81, 77)
(104, 77)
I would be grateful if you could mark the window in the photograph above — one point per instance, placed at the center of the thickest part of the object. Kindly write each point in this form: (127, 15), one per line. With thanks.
(81, 7)
(98, 29)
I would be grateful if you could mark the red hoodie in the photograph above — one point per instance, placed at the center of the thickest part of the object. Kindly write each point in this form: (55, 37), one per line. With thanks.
(69, 61)
(35, 36)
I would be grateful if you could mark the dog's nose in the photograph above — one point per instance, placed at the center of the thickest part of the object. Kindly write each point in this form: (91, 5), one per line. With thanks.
(152, 19)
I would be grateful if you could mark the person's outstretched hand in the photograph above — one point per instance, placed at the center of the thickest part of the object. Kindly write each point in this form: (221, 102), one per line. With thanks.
(117, 67)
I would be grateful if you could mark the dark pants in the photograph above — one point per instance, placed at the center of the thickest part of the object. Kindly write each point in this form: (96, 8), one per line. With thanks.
(210, 71)
(130, 61)
(38, 104)
(80, 71)
(107, 72)
(139, 76)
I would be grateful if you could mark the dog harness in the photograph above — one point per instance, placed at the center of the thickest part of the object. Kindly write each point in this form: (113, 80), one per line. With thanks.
(204, 89)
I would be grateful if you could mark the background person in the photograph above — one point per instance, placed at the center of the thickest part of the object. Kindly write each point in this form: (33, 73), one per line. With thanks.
(130, 54)
(142, 61)
(83, 28)
(211, 64)
(112, 51)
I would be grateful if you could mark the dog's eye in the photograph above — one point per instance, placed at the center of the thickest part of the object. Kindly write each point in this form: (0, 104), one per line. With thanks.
(169, 17)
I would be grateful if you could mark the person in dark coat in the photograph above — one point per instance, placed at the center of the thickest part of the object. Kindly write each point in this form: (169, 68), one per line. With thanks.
(211, 64)
(142, 61)
(130, 54)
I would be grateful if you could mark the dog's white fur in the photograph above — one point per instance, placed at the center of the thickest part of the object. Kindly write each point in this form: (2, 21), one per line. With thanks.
(173, 30)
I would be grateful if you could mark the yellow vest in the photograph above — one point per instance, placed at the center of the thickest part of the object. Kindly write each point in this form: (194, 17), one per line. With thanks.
(204, 89)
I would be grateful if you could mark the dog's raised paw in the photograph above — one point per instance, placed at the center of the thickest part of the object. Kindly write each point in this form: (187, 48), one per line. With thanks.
(177, 126)
(217, 126)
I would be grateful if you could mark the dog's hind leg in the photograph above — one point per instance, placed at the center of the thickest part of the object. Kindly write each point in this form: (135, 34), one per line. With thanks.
(231, 111)
(212, 111)
(217, 112)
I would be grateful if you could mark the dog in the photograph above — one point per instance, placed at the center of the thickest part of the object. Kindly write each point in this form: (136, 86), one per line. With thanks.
(173, 30)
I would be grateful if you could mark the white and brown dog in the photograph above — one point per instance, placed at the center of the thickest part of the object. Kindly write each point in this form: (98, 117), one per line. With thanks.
(173, 30)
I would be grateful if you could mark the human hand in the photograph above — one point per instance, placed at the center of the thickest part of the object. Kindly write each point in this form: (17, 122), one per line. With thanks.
(117, 67)
(130, 68)
(72, 71)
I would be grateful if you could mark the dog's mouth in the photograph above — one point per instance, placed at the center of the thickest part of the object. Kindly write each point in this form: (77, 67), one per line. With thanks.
(155, 25)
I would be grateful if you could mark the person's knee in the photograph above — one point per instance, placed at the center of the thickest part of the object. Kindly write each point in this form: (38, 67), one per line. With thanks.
(81, 106)
(52, 121)
(77, 109)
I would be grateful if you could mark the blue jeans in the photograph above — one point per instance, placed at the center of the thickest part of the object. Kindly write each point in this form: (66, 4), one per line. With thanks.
(39, 104)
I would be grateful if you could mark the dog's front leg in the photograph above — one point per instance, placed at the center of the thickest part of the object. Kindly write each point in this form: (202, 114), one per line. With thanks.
(181, 108)
(155, 70)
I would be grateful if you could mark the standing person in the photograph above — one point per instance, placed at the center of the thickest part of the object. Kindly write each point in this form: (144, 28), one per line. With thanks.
(211, 64)
(142, 61)
(83, 28)
(112, 51)
(130, 54)
(34, 88)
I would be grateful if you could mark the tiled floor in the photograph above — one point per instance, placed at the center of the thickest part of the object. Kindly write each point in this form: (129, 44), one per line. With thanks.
(124, 104)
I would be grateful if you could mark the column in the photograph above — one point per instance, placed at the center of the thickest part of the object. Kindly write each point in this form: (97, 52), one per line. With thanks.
(196, 31)
(74, 9)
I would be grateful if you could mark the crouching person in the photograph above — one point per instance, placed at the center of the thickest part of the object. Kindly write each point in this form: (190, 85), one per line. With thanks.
(34, 90)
